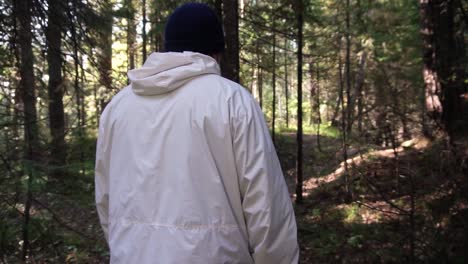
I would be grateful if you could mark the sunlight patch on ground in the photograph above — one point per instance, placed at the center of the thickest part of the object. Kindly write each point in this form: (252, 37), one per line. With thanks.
(355, 161)
(416, 143)
(368, 212)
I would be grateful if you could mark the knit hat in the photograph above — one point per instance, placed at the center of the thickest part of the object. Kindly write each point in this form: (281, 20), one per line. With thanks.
(194, 27)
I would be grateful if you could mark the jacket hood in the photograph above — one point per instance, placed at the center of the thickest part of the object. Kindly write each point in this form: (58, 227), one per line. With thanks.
(165, 72)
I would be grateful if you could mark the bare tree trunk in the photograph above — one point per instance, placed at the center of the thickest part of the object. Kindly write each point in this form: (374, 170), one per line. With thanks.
(349, 99)
(396, 109)
(153, 18)
(143, 30)
(433, 105)
(260, 86)
(343, 124)
(56, 17)
(317, 103)
(253, 84)
(286, 85)
(359, 85)
(242, 7)
(274, 84)
(334, 117)
(23, 12)
(451, 65)
(259, 76)
(381, 101)
(160, 36)
(83, 95)
(444, 73)
(131, 34)
(313, 92)
(300, 25)
(340, 99)
(406, 131)
(230, 62)
(105, 51)
(78, 91)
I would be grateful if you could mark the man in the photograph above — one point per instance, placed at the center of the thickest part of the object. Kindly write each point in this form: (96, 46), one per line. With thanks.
(185, 168)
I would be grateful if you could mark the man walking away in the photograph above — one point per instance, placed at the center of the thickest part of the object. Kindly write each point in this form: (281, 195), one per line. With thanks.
(186, 171)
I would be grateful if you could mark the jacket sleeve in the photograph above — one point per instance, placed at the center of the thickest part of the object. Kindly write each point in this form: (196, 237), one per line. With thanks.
(101, 175)
(266, 203)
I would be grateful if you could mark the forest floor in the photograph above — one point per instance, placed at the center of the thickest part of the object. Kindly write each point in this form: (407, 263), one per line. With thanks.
(403, 204)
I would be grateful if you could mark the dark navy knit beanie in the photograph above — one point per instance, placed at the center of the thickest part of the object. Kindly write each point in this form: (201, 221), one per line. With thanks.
(194, 27)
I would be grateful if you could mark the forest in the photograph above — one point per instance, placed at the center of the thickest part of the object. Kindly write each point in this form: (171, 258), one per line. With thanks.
(366, 101)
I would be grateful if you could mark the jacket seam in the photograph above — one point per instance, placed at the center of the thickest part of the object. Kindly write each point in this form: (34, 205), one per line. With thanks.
(181, 227)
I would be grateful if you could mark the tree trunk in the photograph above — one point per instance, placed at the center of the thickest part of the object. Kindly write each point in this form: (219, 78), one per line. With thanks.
(153, 18)
(340, 99)
(253, 84)
(433, 106)
(23, 14)
(260, 86)
(336, 111)
(230, 62)
(317, 103)
(300, 25)
(274, 85)
(344, 139)
(259, 76)
(349, 98)
(56, 17)
(450, 65)
(131, 34)
(359, 86)
(313, 92)
(83, 94)
(286, 85)
(105, 52)
(444, 60)
(143, 30)
(382, 99)
(79, 97)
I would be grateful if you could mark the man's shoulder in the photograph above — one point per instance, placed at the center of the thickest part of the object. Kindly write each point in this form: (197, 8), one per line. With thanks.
(239, 99)
(116, 99)
(121, 94)
(230, 88)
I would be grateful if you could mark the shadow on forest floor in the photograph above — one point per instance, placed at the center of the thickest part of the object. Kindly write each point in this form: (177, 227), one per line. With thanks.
(408, 204)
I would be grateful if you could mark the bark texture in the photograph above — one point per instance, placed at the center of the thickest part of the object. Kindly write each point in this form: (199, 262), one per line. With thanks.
(56, 18)
(230, 62)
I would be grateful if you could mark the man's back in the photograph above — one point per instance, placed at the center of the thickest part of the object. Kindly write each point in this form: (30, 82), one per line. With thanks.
(190, 171)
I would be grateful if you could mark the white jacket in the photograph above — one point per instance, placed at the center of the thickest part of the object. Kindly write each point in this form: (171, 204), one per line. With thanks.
(186, 171)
